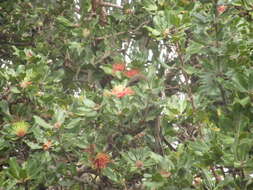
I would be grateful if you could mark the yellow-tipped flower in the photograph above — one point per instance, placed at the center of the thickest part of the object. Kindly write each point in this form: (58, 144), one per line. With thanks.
(20, 128)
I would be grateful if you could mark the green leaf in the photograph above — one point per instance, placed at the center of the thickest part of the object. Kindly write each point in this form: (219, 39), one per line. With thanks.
(58, 75)
(14, 169)
(150, 5)
(243, 101)
(85, 111)
(194, 48)
(60, 115)
(89, 103)
(42, 123)
(209, 181)
(153, 185)
(73, 123)
(23, 173)
(75, 46)
(240, 83)
(4, 107)
(15, 90)
(110, 174)
(154, 32)
(250, 88)
(107, 69)
(64, 21)
(33, 168)
(173, 17)
(32, 145)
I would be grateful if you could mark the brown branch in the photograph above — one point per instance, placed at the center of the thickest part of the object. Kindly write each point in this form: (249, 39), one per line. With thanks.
(106, 55)
(5, 93)
(157, 136)
(125, 32)
(107, 4)
(85, 169)
(168, 144)
(17, 43)
(217, 178)
(66, 155)
(189, 91)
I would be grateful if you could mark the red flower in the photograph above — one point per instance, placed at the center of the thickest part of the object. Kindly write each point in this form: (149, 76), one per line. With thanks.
(121, 91)
(118, 67)
(221, 9)
(101, 160)
(131, 73)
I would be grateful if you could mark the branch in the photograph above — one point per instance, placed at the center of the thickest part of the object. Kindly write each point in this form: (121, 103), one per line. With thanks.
(18, 43)
(189, 91)
(223, 94)
(125, 32)
(217, 178)
(168, 144)
(85, 169)
(157, 136)
(106, 55)
(107, 4)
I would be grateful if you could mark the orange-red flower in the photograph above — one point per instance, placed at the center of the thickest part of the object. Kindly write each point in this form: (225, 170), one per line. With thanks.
(47, 145)
(126, 91)
(131, 73)
(101, 161)
(121, 91)
(118, 67)
(221, 9)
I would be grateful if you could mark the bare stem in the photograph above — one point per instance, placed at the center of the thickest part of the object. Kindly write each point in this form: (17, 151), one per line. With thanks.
(107, 4)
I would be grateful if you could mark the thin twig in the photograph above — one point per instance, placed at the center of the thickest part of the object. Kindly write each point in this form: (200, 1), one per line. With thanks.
(168, 144)
(17, 43)
(217, 178)
(157, 136)
(107, 4)
(189, 91)
(125, 32)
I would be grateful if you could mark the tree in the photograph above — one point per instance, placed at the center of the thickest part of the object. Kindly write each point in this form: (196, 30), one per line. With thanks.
(145, 94)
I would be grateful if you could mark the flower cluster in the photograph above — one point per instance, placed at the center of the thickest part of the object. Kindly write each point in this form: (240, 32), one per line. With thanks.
(121, 91)
(101, 161)
(118, 67)
(131, 73)
(122, 68)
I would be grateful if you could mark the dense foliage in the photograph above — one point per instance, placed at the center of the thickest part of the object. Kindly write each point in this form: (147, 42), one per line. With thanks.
(141, 94)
